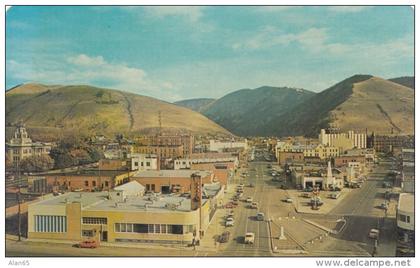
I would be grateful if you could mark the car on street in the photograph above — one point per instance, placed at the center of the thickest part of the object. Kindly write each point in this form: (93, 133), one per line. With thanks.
(230, 214)
(283, 187)
(317, 201)
(249, 200)
(260, 216)
(308, 189)
(254, 205)
(241, 185)
(229, 222)
(251, 185)
(374, 233)
(224, 237)
(249, 238)
(87, 244)
(384, 206)
(288, 200)
(306, 195)
(230, 205)
(240, 190)
(335, 195)
(386, 185)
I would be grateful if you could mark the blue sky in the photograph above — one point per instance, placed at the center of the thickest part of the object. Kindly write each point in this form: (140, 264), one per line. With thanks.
(174, 53)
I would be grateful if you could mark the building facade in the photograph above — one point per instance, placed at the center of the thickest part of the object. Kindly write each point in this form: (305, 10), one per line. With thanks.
(21, 146)
(405, 225)
(144, 162)
(343, 141)
(117, 218)
(170, 181)
(221, 146)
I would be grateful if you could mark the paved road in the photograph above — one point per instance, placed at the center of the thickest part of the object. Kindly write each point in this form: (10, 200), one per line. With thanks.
(245, 218)
(358, 208)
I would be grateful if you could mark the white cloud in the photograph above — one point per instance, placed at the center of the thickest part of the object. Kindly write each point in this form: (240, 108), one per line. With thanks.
(85, 60)
(191, 13)
(91, 70)
(268, 37)
(348, 9)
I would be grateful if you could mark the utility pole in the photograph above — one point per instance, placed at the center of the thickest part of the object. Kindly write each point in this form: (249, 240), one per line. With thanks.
(19, 216)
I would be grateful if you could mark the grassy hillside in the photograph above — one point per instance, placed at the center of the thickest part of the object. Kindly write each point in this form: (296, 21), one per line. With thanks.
(379, 105)
(357, 103)
(197, 105)
(94, 110)
(407, 81)
(248, 112)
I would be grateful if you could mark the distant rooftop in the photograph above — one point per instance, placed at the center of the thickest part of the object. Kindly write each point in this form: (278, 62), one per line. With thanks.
(89, 172)
(209, 156)
(182, 173)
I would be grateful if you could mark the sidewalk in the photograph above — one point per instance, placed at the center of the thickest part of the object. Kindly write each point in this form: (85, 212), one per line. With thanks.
(216, 226)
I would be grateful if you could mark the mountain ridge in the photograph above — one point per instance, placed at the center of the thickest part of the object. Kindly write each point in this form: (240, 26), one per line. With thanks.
(84, 108)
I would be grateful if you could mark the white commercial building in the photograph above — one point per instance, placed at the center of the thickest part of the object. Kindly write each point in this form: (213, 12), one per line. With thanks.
(185, 163)
(220, 146)
(345, 141)
(144, 162)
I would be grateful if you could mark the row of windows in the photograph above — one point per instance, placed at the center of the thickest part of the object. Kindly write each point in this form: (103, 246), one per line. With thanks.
(50, 224)
(94, 220)
(136, 164)
(153, 228)
(404, 218)
(94, 183)
(28, 151)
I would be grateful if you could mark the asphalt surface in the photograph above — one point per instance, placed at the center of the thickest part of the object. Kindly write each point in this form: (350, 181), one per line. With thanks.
(245, 218)
(358, 208)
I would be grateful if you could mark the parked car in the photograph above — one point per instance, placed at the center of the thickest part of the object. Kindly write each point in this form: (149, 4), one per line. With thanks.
(308, 189)
(249, 238)
(288, 200)
(384, 206)
(87, 244)
(251, 185)
(335, 195)
(374, 233)
(229, 222)
(260, 216)
(306, 195)
(224, 237)
(231, 213)
(249, 200)
(254, 205)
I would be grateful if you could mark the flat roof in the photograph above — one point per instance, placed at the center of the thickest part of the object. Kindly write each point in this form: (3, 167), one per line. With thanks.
(94, 201)
(406, 202)
(209, 156)
(87, 172)
(170, 173)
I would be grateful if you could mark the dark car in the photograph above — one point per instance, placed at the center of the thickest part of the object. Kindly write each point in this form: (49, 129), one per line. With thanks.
(224, 237)
(87, 244)
(308, 189)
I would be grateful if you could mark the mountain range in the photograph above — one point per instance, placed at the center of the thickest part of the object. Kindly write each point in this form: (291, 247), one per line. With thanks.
(359, 102)
(51, 110)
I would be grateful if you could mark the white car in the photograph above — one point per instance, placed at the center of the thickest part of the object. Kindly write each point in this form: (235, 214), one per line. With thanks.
(374, 233)
(229, 222)
(249, 238)
(260, 216)
(249, 200)
(254, 205)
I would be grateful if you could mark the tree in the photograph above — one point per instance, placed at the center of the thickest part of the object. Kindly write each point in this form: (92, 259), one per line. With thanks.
(62, 158)
(37, 163)
(95, 154)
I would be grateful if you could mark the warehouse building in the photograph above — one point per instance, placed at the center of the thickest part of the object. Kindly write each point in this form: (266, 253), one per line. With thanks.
(122, 216)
